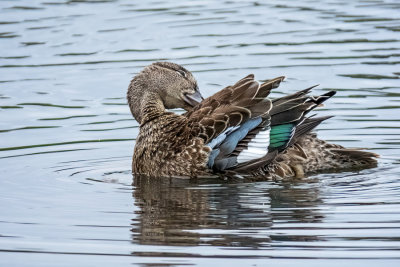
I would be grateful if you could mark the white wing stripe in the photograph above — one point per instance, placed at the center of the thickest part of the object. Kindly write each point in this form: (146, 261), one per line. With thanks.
(256, 148)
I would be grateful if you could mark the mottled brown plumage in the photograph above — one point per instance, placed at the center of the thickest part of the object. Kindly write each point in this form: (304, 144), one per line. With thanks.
(225, 132)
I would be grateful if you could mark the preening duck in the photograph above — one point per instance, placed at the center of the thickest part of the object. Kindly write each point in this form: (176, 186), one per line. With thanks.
(238, 131)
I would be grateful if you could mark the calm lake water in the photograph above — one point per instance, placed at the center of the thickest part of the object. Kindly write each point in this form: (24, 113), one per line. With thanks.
(67, 135)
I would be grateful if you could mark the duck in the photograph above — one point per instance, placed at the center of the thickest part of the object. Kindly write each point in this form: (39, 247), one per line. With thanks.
(237, 132)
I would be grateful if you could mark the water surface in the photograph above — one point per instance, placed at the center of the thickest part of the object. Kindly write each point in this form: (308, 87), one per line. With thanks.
(67, 196)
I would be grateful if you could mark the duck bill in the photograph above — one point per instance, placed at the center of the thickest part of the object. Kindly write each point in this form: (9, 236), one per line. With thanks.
(193, 99)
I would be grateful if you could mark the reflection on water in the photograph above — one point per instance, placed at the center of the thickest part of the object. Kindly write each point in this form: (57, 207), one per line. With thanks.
(179, 212)
(67, 135)
(168, 211)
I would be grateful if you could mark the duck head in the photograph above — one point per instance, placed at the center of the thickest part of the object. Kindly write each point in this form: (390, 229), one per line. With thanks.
(169, 83)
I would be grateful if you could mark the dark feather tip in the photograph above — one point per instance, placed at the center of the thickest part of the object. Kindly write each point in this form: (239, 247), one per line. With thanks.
(329, 94)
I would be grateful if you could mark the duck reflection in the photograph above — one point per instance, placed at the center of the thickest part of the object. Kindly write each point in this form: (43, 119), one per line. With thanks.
(183, 212)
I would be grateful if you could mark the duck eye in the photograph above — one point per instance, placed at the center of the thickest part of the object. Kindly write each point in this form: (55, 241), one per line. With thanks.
(182, 73)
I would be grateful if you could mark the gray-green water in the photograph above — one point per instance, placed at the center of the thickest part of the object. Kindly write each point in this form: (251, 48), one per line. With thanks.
(67, 136)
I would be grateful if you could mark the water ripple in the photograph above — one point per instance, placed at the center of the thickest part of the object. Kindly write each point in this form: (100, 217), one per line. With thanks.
(67, 135)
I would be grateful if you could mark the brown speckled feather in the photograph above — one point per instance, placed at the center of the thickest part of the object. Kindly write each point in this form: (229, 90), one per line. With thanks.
(167, 146)
(233, 105)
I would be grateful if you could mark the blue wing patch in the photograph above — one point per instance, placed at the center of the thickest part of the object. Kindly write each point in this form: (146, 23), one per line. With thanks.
(225, 143)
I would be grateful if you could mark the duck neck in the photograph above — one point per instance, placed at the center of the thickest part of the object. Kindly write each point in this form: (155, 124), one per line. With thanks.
(153, 107)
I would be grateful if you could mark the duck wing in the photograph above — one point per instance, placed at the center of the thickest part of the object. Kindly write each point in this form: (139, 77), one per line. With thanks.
(225, 118)
(246, 130)
(288, 122)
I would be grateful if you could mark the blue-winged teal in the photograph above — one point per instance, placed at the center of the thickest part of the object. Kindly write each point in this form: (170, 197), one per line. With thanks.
(237, 131)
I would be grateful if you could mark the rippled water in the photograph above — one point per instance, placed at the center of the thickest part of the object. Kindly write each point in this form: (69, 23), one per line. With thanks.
(67, 136)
